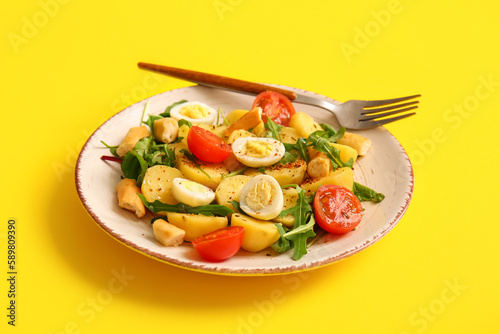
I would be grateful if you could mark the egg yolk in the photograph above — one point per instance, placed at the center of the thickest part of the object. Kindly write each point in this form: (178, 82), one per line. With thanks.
(258, 149)
(194, 111)
(260, 196)
(194, 186)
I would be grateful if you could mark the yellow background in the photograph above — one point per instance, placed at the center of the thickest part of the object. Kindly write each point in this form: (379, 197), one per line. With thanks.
(67, 66)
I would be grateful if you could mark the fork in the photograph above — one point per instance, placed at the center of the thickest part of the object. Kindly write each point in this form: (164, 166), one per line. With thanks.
(353, 114)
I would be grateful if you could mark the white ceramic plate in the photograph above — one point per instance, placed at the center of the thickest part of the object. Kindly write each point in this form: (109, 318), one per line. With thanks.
(386, 168)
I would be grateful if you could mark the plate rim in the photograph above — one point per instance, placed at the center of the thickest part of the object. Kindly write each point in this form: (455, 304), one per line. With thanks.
(239, 272)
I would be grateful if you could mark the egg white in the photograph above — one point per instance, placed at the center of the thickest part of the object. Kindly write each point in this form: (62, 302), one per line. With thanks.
(191, 193)
(175, 112)
(262, 197)
(276, 154)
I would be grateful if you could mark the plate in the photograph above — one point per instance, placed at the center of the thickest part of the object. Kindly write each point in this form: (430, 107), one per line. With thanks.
(386, 168)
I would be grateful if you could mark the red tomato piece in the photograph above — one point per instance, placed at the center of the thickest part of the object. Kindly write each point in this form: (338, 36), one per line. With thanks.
(206, 145)
(337, 209)
(221, 244)
(276, 106)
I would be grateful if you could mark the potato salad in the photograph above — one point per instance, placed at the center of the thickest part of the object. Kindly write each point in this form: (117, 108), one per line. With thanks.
(264, 177)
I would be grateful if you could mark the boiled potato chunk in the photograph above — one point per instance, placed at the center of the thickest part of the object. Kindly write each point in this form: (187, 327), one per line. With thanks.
(196, 225)
(241, 133)
(346, 152)
(157, 184)
(213, 175)
(358, 142)
(167, 234)
(218, 130)
(177, 148)
(291, 173)
(341, 176)
(290, 197)
(304, 124)
(235, 115)
(289, 135)
(183, 133)
(259, 234)
(229, 189)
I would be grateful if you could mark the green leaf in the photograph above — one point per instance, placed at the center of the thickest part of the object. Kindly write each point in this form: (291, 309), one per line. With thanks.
(300, 243)
(363, 193)
(301, 147)
(134, 167)
(166, 113)
(273, 129)
(206, 210)
(236, 172)
(332, 135)
(322, 144)
(112, 149)
(303, 228)
(236, 205)
(220, 113)
(182, 122)
(144, 111)
(283, 244)
(287, 158)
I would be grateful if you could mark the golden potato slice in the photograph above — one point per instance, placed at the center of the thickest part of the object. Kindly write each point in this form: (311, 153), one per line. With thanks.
(229, 190)
(210, 175)
(290, 197)
(196, 225)
(259, 234)
(341, 176)
(291, 173)
(157, 184)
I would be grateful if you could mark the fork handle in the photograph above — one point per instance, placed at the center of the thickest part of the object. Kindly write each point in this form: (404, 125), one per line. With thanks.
(217, 81)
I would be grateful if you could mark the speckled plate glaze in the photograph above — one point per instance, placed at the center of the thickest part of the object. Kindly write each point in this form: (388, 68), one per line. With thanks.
(386, 168)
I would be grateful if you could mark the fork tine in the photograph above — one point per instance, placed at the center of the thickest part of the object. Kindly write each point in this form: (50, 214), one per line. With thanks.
(370, 123)
(385, 114)
(376, 110)
(376, 103)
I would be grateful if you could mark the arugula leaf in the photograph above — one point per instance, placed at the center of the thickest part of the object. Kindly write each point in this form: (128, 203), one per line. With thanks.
(301, 147)
(206, 210)
(273, 129)
(283, 244)
(303, 227)
(112, 149)
(322, 144)
(236, 172)
(144, 112)
(363, 193)
(298, 236)
(166, 113)
(221, 114)
(287, 158)
(182, 122)
(236, 205)
(134, 167)
(332, 135)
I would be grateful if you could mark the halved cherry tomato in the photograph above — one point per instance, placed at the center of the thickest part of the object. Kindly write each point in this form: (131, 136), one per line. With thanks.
(206, 145)
(337, 209)
(276, 106)
(221, 244)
